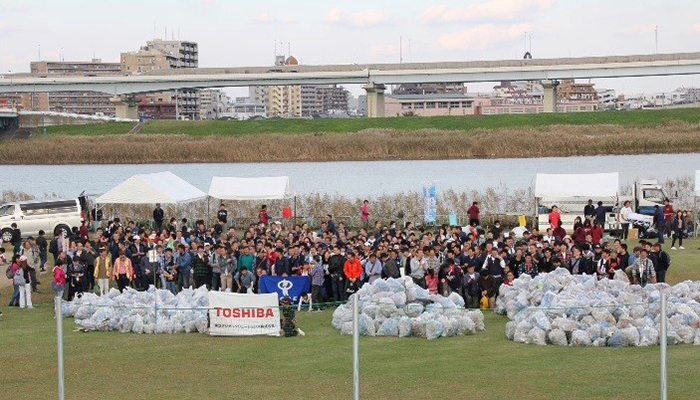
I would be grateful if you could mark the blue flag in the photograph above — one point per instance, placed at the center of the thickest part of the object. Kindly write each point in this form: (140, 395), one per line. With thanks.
(429, 203)
(292, 286)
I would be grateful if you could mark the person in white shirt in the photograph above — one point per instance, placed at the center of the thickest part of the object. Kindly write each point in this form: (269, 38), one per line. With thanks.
(625, 212)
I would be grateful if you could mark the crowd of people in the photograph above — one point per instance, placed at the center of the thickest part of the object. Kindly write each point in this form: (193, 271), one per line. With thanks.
(471, 261)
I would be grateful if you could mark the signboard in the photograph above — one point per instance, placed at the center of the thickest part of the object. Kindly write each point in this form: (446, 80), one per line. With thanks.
(233, 314)
(429, 203)
(291, 286)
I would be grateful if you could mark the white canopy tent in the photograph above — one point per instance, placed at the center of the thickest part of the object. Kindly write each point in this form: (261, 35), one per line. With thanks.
(263, 188)
(160, 187)
(577, 185)
(697, 183)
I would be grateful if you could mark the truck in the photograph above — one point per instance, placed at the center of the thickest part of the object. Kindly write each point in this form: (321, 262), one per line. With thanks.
(571, 193)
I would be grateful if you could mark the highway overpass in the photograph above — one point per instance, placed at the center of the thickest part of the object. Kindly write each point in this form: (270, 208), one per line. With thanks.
(374, 76)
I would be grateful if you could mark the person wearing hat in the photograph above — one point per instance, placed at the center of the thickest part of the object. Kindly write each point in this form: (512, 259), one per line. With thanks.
(102, 271)
(137, 249)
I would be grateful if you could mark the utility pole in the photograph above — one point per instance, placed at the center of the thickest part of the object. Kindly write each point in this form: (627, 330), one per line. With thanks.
(656, 39)
(400, 49)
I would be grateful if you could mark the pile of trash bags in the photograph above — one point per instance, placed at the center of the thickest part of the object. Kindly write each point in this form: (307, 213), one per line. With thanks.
(133, 311)
(398, 307)
(579, 310)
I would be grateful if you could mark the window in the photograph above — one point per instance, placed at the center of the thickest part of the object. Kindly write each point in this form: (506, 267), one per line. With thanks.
(56, 207)
(654, 195)
(7, 210)
(454, 104)
(443, 104)
(405, 106)
(466, 104)
(430, 104)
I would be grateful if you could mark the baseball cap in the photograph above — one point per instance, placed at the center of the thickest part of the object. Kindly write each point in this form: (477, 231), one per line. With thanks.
(136, 237)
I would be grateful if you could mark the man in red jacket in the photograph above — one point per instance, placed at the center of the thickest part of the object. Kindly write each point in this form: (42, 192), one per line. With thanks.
(473, 213)
(353, 272)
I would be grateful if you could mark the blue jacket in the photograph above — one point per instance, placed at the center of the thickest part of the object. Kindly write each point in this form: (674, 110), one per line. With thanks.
(184, 262)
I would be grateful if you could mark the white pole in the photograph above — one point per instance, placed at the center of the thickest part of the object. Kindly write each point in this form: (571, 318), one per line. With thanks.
(355, 348)
(663, 339)
(59, 346)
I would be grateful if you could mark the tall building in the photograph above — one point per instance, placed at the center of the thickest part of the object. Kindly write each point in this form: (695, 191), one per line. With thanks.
(213, 103)
(159, 55)
(331, 98)
(89, 103)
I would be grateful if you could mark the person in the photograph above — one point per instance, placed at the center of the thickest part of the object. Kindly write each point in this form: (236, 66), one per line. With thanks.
(316, 273)
(643, 270)
(335, 270)
(353, 271)
(419, 267)
(158, 215)
(200, 267)
(43, 246)
(364, 214)
(245, 280)
(625, 212)
(390, 268)
(222, 214)
(659, 223)
(123, 271)
(58, 284)
(487, 286)
(578, 264)
(431, 280)
(102, 271)
(16, 239)
(184, 267)
(288, 321)
(31, 253)
(600, 214)
(470, 287)
(262, 215)
(677, 230)
(227, 267)
(589, 211)
(668, 215)
(23, 280)
(661, 260)
(603, 265)
(169, 274)
(372, 268)
(76, 273)
(554, 216)
(473, 213)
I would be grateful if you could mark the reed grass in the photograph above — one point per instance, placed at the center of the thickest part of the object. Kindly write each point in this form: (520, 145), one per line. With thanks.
(370, 144)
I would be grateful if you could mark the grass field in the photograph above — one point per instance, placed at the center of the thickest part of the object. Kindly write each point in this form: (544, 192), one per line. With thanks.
(645, 118)
(319, 365)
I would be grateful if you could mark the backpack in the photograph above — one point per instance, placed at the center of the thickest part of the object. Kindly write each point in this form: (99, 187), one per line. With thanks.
(8, 272)
(19, 277)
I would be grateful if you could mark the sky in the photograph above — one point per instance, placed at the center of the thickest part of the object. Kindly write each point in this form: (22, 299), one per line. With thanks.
(239, 33)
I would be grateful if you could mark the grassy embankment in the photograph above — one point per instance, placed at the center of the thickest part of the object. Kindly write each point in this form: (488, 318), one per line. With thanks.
(631, 132)
(106, 365)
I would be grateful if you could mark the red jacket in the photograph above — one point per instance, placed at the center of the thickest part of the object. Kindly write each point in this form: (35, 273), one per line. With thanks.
(59, 276)
(473, 212)
(668, 212)
(596, 234)
(353, 269)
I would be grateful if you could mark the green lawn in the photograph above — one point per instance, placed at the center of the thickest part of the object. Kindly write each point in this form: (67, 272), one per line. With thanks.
(468, 123)
(319, 365)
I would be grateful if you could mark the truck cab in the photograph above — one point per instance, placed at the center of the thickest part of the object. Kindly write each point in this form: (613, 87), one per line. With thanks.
(647, 194)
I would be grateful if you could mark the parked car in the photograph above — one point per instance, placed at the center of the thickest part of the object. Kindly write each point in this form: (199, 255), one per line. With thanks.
(57, 216)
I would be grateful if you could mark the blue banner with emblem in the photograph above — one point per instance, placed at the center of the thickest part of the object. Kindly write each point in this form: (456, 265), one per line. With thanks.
(291, 286)
(429, 203)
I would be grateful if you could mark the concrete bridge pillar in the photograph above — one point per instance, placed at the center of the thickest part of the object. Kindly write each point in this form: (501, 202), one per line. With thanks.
(550, 95)
(375, 100)
(126, 107)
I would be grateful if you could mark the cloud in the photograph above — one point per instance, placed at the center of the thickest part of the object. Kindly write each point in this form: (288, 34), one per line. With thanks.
(482, 36)
(361, 19)
(638, 29)
(267, 18)
(486, 10)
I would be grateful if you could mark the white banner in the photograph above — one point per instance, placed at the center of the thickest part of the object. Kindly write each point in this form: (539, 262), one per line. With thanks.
(233, 314)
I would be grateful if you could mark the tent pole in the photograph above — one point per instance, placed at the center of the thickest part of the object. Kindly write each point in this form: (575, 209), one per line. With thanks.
(207, 218)
(295, 210)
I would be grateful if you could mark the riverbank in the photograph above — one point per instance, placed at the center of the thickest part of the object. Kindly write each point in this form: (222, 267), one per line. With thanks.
(369, 144)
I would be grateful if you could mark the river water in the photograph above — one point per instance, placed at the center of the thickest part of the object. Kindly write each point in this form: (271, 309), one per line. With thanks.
(352, 178)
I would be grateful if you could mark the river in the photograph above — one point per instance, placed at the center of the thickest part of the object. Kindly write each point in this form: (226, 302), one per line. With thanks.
(353, 178)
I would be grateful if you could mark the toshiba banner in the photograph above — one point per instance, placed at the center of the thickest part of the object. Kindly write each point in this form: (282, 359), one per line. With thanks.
(232, 314)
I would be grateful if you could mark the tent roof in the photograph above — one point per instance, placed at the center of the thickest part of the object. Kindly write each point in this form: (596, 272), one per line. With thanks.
(263, 188)
(577, 185)
(697, 183)
(160, 187)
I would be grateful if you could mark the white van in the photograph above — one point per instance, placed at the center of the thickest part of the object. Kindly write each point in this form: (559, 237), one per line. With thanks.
(51, 216)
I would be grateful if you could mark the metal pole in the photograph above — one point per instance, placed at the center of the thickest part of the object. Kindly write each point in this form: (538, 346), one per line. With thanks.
(355, 348)
(295, 210)
(59, 346)
(663, 339)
